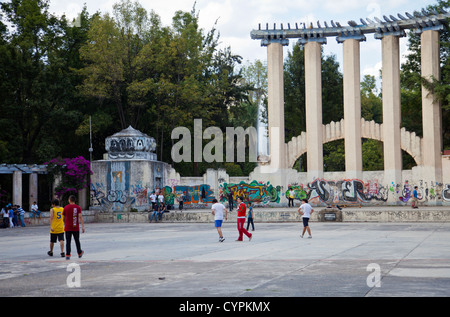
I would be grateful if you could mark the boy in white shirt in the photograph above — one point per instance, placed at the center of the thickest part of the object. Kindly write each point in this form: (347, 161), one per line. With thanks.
(218, 210)
(305, 210)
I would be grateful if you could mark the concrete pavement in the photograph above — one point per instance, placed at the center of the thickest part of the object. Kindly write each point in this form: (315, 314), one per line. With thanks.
(186, 260)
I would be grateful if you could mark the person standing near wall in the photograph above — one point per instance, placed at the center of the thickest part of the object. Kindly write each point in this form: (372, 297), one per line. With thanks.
(305, 210)
(72, 220)
(230, 201)
(414, 198)
(181, 201)
(242, 211)
(11, 215)
(250, 217)
(21, 214)
(291, 196)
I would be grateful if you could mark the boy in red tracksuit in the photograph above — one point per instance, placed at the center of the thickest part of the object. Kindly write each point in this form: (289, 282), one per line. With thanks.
(242, 211)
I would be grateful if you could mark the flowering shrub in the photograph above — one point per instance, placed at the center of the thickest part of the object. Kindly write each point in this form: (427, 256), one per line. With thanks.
(74, 174)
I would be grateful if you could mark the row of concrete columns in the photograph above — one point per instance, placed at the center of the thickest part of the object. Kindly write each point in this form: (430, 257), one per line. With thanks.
(17, 188)
(431, 112)
(33, 190)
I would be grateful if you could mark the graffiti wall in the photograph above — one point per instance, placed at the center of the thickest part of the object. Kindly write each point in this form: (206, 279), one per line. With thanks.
(257, 192)
(125, 185)
(192, 196)
(355, 191)
(122, 186)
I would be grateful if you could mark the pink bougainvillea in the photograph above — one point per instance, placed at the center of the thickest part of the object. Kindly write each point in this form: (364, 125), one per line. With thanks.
(74, 174)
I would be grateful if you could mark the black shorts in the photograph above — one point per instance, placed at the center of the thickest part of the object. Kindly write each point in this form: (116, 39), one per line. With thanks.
(305, 221)
(53, 237)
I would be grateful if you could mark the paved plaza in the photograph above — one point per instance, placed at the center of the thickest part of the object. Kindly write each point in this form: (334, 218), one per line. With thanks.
(186, 260)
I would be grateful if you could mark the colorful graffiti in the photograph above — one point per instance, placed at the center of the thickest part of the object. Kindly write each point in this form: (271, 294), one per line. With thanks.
(119, 194)
(446, 193)
(348, 191)
(198, 194)
(426, 191)
(257, 192)
(355, 191)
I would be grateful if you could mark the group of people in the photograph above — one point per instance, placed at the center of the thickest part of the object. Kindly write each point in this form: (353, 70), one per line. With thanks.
(14, 215)
(65, 223)
(220, 213)
(158, 207)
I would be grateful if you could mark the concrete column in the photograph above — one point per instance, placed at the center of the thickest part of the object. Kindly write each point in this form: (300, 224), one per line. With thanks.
(17, 188)
(276, 106)
(313, 97)
(82, 198)
(33, 188)
(391, 109)
(352, 109)
(431, 110)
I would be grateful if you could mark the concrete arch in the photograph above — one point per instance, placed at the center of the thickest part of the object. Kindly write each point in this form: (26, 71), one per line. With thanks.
(410, 142)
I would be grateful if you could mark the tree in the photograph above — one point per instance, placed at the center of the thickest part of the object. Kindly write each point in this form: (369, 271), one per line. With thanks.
(182, 75)
(294, 91)
(371, 103)
(332, 101)
(411, 81)
(37, 89)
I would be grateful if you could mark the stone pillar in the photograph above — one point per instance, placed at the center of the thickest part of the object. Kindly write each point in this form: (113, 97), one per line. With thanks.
(33, 189)
(431, 110)
(313, 97)
(82, 198)
(391, 109)
(17, 188)
(275, 107)
(352, 108)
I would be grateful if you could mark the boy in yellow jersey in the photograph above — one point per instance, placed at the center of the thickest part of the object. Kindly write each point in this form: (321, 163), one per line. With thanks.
(56, 227)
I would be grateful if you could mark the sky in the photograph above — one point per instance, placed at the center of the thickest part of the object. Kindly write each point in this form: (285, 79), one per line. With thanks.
(237, 18)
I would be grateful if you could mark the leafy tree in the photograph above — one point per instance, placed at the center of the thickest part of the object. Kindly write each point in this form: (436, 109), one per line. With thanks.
(36, 90)
(371, 103)
(411, 81)
(332, 101)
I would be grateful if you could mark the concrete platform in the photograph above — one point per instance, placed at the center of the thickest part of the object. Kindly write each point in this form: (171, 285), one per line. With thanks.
(394, 214)
(179, 260)
(271, 214)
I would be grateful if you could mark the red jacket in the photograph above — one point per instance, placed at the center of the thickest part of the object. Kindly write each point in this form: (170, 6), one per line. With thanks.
(242, 210)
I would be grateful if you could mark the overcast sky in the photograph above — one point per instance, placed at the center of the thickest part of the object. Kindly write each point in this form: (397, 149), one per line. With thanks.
(236, 19)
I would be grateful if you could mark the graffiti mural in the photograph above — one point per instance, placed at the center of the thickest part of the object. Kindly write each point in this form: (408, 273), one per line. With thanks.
(139, 192)
(347, 191)
(355, 191)
(119, 194)
(169, 196)
(426, 191)
(251, 192)
(446, 193)
(193, 196)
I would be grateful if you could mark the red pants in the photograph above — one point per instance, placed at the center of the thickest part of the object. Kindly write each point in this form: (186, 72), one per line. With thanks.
(240, 227)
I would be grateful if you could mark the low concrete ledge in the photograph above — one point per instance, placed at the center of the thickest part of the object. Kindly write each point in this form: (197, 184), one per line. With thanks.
(376, 214)
(352, 214)
(44, 219)
(406, 215)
